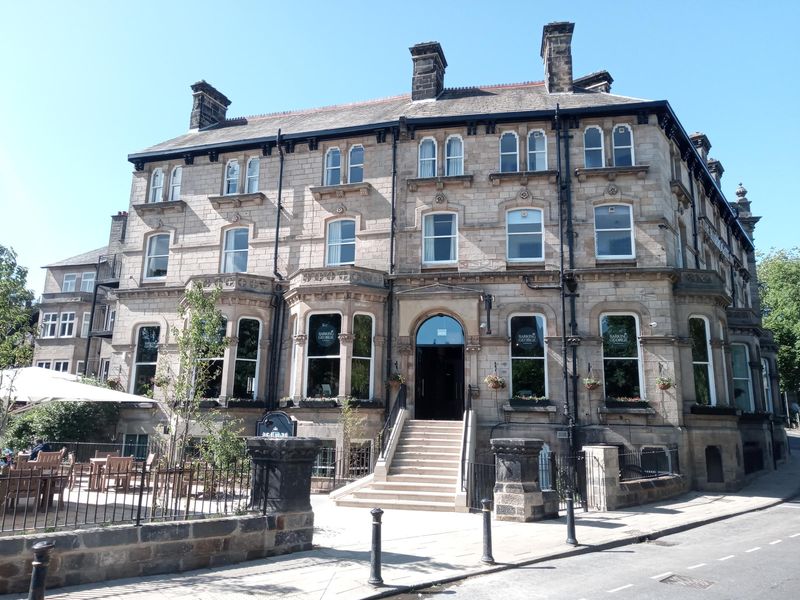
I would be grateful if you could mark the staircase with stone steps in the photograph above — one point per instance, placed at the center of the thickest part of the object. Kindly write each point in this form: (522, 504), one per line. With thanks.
(423, 474)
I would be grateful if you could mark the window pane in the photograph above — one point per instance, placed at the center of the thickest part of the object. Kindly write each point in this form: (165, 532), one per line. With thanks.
(143, 382)
(622, 136)
(359, 378)
(213, 378)
(594, 159)
(739, 361)
(622, 378)
(159, 245)
(508, 163)
(697, 333)
(441, 249)
(357, 155)
(323, 334)
(244, 379)
(592, 138)
(443, 224)
(614, 243)
(356, 174)
(619, 336)
(323, 377)
(527, 336)
(157, 267)
(525, 246)
(527, 377)
(508, 143)
(147, 344)
(623, 157)
(524, 221)
(612, 217)
(248, 339)
(362, 336)
(702, 388)
(334, 159)
(236, 239)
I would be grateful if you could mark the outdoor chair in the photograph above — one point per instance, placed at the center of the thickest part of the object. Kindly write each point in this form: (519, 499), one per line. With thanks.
(23, 484)
(120, 470)
(49, 458)
(102, 454)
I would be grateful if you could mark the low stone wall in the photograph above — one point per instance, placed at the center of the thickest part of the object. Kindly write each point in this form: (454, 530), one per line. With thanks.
(642, 491)
(101, 554)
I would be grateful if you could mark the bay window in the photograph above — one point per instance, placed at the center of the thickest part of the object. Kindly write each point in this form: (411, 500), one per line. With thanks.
(621, 373)
(528, 362)
(702, 364)
(361, 361)
(245, 376)
(323, 355)
(742, 383)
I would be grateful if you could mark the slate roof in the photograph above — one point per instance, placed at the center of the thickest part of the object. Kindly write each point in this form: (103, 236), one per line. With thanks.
(453, 102)
(87, 258)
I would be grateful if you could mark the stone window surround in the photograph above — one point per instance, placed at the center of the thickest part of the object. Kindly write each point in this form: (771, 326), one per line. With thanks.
(146, 254)
(344, 149)
(639, 357)
(544, 344)
(614, 257)
(517, 261)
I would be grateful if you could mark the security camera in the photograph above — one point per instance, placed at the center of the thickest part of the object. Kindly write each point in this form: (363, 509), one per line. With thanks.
(653, 324)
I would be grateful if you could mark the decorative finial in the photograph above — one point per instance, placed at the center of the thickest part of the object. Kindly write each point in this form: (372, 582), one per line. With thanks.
(740, 191)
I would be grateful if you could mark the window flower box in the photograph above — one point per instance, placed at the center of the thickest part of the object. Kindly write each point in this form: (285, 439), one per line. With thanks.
(634, 402)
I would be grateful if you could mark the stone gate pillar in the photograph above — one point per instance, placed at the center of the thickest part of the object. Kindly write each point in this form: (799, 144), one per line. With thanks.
(281, 472)
(517, 493)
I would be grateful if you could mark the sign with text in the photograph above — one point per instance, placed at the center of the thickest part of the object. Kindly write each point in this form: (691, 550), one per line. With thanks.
(276, 424)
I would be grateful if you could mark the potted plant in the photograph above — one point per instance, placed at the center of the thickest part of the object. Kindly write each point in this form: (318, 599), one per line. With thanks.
(494, 381)
(523, 400)
(590, 383)
(626, 402)
(663, 383)
(396, 380)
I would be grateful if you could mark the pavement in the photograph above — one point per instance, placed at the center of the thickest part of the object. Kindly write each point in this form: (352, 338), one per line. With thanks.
(424, 548)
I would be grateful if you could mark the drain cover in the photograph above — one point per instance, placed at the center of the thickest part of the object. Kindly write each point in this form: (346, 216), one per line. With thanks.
(690, 582)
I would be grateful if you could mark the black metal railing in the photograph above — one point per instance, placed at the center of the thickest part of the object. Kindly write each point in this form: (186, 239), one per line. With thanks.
(648, 463)
(464, 457)
(333, 467)
(114, 490)
(391, 420)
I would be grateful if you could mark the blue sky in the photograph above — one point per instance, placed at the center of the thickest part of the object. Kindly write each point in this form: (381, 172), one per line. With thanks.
(87, 82)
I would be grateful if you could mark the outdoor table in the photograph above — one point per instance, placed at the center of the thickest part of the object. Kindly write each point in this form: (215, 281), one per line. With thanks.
(96, 466)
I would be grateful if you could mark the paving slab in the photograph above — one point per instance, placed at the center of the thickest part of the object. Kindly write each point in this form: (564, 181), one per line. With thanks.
(422, 548)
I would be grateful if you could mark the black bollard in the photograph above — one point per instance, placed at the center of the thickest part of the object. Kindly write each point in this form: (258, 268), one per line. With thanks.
(375, 555)
(571, 518)
(41, 560)
(487, 557)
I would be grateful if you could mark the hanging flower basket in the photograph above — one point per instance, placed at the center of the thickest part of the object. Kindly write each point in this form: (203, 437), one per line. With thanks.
(590, 383)
(396, 380)
(494, 381)
(663, 383)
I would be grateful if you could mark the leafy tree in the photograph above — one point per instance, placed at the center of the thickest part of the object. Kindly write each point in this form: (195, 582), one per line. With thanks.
(62, 422)
(199, 341)
(16, 330)
(779, 280)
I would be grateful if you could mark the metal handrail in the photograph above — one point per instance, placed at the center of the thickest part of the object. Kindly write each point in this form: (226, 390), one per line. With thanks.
(391, 420)
(467, 408)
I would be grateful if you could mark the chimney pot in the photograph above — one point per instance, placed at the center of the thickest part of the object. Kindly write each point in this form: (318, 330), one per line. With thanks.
(556, 53)
(700, 141)
(209, 105)
(429, 66)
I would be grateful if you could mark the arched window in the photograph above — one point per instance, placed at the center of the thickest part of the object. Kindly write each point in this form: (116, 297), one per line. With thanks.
(613, 229)
(245, 376)
(157, 257)
(355, 165)
(524, 240)
(454, 156)
(253, 168)
(509, 155)
(341, 242)
(175, 184)
(593, 155)
(361, 361)
(232, 177)
(333, 167)
(210, 375)
(235, 250)
(702, 363)
(537, 150)
(621, 373)
(439, 238)
(427, 158)
(742, 382)
(323, 355)
(528, 364)
(157, 185)
(146, 359)
(623, 146)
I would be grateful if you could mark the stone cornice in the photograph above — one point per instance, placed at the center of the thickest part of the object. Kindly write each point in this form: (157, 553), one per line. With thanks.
(159, 208)
(439, 183)
(346, 275)
(321, 192)
(522, 177)
(611, 173)
(238, 200)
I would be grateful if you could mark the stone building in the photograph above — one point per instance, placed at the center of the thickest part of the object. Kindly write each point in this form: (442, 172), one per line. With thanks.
(434, 235)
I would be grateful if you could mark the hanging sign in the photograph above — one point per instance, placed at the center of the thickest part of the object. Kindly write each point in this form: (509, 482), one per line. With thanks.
(276, 424)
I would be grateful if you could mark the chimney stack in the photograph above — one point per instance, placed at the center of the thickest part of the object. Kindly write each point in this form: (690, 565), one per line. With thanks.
(702, 144)
(429, 65)
(209, 105)
(557, 56)
(715, 168)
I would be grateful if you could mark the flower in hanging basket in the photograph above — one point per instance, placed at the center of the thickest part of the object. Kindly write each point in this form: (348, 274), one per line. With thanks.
(663, 383)
(396, 379)
(590, 383)
(494, 381)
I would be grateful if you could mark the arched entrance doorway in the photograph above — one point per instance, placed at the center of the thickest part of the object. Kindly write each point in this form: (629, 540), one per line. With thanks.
(439, 384)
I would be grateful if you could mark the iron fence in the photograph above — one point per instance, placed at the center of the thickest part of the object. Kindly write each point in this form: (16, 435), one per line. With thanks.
(333, 467)
(648, 462)
(115, 490)
(84, 451)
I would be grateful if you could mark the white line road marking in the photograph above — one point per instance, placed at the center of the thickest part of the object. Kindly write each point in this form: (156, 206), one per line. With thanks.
(754, 549)
(697, 566)
(775, 542)
(661, 575)
(726, 557)
(795, 535)
(622, 587)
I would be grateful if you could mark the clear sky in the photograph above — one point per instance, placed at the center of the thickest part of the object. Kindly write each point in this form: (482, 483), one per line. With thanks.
(84, 83)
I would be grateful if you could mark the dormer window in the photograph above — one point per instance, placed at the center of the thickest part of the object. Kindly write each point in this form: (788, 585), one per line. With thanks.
(356, 165)
(333, 167)
(623, 146)
(232, 177)
(593, 155)
(253, 168)
(509, 155)
(175, 184)
(427, 158)
(454, 156)
(157, 186)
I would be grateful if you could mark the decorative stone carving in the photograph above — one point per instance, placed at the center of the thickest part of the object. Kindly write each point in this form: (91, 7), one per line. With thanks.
(440, 198)
(612, 190)
(300, 339)
(517, 494)
(346, 338)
